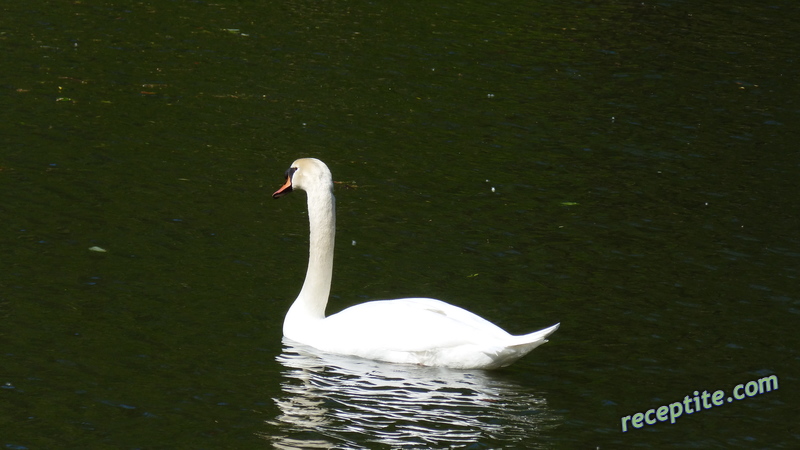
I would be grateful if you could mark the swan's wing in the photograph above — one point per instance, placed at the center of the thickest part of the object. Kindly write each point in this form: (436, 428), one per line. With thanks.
(461, 315)
(408, 325)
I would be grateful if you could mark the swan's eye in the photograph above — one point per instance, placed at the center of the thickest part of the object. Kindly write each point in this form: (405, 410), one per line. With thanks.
(290, 171)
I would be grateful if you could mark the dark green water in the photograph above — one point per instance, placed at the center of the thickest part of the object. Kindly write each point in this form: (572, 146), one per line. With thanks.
(645, 169)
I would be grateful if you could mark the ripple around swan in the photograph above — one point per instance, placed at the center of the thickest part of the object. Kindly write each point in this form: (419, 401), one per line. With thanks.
(332, 401)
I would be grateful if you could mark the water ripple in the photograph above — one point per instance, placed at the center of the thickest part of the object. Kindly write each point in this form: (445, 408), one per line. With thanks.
(332, 401)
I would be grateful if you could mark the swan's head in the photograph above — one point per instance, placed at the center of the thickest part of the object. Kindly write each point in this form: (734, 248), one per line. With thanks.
(308, 174)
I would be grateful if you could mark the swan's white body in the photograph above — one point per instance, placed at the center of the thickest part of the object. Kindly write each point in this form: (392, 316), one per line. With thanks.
(408, 330)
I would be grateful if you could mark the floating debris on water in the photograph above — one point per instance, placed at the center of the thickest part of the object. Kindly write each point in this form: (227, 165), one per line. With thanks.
(235, 31)
(97, 249)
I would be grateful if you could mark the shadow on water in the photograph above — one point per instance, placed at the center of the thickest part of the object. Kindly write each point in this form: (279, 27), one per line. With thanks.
(333, 401)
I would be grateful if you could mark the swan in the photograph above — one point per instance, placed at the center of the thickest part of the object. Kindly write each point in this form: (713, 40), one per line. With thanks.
(420, 331)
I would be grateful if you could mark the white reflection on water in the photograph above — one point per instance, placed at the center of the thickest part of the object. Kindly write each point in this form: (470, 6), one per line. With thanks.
(332, 401)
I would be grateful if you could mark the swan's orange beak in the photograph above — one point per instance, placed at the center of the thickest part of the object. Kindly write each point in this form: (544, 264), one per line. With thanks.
(285, 189)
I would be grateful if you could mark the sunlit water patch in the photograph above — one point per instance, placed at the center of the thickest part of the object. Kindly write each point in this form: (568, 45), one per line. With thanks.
(333, 401)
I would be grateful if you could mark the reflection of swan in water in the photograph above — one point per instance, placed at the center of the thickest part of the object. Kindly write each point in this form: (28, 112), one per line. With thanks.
(333, 401)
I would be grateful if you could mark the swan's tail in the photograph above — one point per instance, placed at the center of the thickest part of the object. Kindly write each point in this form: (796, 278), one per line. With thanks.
(520, 346)
(538, 337)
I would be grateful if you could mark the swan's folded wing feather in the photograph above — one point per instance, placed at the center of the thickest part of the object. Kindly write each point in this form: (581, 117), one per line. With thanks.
(410, 325)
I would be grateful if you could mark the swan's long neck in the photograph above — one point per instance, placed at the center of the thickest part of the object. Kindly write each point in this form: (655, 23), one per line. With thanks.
(310, 303)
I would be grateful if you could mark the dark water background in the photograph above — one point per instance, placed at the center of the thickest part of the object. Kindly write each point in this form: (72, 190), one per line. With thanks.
(645, 165)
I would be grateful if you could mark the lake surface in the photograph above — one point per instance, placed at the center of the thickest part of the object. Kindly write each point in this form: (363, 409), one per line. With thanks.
(629, 169)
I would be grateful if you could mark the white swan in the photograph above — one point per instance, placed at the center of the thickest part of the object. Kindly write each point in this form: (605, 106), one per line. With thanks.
(407, 330)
